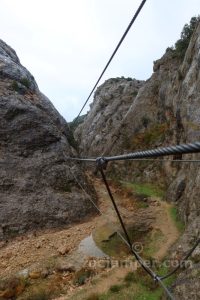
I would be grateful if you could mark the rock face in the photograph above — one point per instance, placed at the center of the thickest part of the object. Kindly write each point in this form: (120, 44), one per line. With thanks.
(166, 111)
(37, 186)
(112, 101)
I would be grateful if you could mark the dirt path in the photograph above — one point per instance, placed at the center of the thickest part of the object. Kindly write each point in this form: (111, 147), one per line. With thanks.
(39, 247)
(162, 223)
(161, 212)
(170, 232)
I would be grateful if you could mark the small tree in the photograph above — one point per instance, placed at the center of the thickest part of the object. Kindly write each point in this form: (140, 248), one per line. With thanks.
(182, 44)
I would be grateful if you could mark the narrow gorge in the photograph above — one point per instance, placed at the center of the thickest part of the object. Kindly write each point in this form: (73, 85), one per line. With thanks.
(47, 202)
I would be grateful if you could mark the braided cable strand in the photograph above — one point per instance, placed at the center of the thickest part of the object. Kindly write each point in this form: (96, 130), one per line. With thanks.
(101, 163)
(153, 153)
(172, 150)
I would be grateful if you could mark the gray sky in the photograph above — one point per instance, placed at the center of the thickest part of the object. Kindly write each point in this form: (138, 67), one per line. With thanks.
(65, 44)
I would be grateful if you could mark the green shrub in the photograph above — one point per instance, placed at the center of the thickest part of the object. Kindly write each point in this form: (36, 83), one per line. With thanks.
(182, 44)
(25, 82)
(15, 86)
(82, 275)
(130, 277)
(76, 122)
(174, 215)
(115, 288)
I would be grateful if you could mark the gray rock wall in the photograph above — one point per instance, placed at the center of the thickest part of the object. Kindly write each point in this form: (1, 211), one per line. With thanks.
(166, 111)
(37, 188)
(100, 128)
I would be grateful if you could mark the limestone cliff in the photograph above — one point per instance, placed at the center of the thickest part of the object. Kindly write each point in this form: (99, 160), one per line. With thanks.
(37, 188)
(165, 111)
(112, 101)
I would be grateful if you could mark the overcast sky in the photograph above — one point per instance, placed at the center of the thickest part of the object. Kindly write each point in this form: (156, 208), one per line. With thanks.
(65, 44)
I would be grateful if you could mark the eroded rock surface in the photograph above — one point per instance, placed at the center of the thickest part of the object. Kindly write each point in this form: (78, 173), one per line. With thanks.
(100, 128)
(165, 111)
(37, 188)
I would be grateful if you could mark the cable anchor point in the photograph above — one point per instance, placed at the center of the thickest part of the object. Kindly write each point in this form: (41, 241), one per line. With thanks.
(101, 163)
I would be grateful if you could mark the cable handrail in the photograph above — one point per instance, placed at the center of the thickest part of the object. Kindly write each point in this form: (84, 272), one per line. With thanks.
(147, 155)
(152, 153)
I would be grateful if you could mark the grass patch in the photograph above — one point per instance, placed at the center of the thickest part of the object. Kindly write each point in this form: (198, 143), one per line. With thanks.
(152, 244)
(93, 297)
(138, 286)
(39, 294)
(116, 288)
(142, 204)
(130, 277)
(43, 289)
(145, 294)
(145, 189)
(110, 242)
(82, 276)
(163, 270)
(175, 217)
(123, 294)
(113, 247)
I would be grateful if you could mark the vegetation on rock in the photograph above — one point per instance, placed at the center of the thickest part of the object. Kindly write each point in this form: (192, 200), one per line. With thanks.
(182, 44)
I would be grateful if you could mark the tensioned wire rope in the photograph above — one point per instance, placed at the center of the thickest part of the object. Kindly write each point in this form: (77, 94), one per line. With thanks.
(112, 56)
(153, 153)
(102, 161)
(156, 277)
(127, 241)
(172, 150)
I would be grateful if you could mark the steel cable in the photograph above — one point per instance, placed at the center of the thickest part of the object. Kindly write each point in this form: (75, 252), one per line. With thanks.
(180, 263)
(127, 242)
(138, 258)
(172, 150)
(101, 163)
(113, 54)
(153, 153)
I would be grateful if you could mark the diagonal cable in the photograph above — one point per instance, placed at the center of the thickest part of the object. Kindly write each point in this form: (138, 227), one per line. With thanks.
(181, 262)
(138, 258)
(115, 51)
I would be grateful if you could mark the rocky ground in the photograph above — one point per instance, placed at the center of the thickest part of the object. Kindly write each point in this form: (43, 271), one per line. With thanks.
(45, 258)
